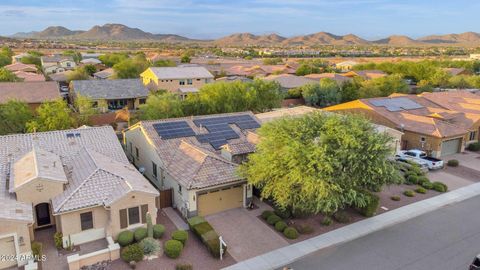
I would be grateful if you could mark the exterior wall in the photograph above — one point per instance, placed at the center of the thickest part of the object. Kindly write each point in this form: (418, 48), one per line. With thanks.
(39, 191)
(130, 200)
(150, 79)
(21, 233)
(111, 253)
(71, 226)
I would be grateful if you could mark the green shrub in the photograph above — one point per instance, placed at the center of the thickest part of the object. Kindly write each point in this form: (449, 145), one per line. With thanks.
(273, 219)
(183, 267)
(150, 246)
(140, 234)
(326, 221)
(427, 185)
(208, 236)
(421, 190)
(412, 179)
(149, 225)
(202, 228)
(266, 214)
(409, 193)
(453, 163)
(58, 239)
(125, 238)
(37, 250)
(440, 187)
(173, 248)
(158, 231)
(395, 198)
(213, 246)
(290, 233)
(280, 226)
(372, 205)
(195, 221)
(181, 236)
(474, 146)
(283, 213)
(299, 213)
(294, 93)
(131, 253)
(304, 229)
(342, 217)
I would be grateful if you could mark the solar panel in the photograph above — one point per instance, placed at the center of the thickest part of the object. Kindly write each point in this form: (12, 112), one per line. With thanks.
(172, 130)
(396, 104)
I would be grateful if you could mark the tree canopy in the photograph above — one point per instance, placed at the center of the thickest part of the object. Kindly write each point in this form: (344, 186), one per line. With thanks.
(323, 94)
(131, 67)
(13, 117)
(320, 162)
(5, 56)
(8, 76)
(160, 106)
(53, 115)
(164, 63)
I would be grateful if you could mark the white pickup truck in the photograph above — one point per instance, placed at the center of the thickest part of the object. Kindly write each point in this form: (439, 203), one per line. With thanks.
(420, 156)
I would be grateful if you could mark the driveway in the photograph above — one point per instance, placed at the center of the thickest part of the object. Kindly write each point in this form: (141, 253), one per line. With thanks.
(245, 234)
(468, 172)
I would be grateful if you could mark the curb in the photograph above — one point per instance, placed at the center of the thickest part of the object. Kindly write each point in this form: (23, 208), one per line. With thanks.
(283, 256)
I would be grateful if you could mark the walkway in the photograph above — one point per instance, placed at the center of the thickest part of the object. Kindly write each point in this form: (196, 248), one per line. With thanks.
(283, 256)
(175, 218)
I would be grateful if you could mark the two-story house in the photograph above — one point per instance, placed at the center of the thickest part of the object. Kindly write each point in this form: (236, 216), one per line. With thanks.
(57, 63)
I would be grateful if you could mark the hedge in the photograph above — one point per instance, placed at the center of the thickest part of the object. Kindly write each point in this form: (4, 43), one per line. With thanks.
(474, 146)
(140, 234)
(207, 234)
(181, 236)
(132, 253)
(427, 185)
(195, 220)
(280, 226)
(158, 231)
(125, 238)
(273, 219)
(412, 179)
(173, 248)
(266, 214)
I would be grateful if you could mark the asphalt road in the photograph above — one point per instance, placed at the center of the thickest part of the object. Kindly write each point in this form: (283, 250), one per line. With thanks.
(446, 239)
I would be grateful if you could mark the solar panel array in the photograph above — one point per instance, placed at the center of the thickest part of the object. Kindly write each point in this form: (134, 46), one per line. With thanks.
(172, 130)
(396, 104)
(220, 131)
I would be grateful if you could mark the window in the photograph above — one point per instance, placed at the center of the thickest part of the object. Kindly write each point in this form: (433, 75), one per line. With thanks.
(131, 148)
(473, 135)
(198, 80)
(143, 101)
(189, 81)
(154, 169)
(86, 221)
(136, 152)
(181, 82)
(180, 189)
(423, 139)
(133, 215)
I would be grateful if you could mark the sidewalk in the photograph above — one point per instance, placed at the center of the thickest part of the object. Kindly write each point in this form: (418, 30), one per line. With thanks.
(176, 219)
(280, 257)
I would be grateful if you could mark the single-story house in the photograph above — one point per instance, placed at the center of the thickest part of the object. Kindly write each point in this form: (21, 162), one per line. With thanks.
(440, 123)
(32, 93)
(338, 78)
(289, 81)
(104, 74)
(193, 160)
(57, 63)
(346, 65)
(78, 181)
(21, 67)
(26, 72)
(259, 70)
(366, 74)
(91, 61)
(111, 94)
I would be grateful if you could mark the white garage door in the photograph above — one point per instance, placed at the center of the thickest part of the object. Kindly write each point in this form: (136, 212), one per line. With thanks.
(7, 247)
(451, 146)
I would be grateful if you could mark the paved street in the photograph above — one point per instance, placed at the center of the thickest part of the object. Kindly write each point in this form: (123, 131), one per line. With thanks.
(446, 239)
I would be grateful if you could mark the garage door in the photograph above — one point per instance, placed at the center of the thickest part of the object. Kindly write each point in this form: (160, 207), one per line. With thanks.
(451, 147)
(7, 247)
(220, 200)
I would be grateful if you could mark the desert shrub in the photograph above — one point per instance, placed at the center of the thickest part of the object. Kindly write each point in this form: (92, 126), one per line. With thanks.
(290, 233)
(181, 236)
(440, 187)
(150, 246)
(158, 231)
(342, 217)
(37, 250)
(304, 229)
(412, 179)
(140, 234)
(195, 221)
(422, 179)
(453, 163)
(395, 198)
(205, 232)
(427, 185)
(294, 93)
(326, 221)
(131, 253)
(273, 219)
(125, 238)
(371, 208)
(58, 239)
(409, 193)
(266, 214)
(421, 190)
(283, 213)
(474, 146)
(183, 267)
(173, 248)
(280, 226)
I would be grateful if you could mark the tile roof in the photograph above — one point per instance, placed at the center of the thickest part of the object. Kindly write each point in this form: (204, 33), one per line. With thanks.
(197, 165)
(110, 89)
(81, 151)
(92, 61)
(283, 112)
(334, 76)
(30, 76)
(21, 67)
(29, 92)
(186, 72)
(233, 79)
(290, 81)
(56, 58)
(253, 70)
(104, 74)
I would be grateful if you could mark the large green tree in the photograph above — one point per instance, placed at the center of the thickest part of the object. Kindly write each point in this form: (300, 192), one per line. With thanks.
(110, 59)
(160, 106)
(8, 76)
(53, 115)
(383, 87)
(320, 162)
(325, 93)
(131, 68)
(85, 109)
(13, 117)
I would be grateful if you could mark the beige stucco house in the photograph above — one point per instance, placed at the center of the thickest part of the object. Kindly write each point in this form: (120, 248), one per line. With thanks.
(193, 160)
(78, 181)
(57, 63)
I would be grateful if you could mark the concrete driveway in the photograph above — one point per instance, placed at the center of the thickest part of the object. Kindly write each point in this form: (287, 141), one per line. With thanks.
(468, 172)
(245, 234)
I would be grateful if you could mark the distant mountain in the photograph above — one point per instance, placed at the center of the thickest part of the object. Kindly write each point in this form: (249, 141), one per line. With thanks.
(464, 38)
(324, 38)
(249, 39)
(397, 41)
(53, 32)
(24, 34)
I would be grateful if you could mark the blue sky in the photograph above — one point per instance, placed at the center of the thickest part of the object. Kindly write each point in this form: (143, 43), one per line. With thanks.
(213, 18)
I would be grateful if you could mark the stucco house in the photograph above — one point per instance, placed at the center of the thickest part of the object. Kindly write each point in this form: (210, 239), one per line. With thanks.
(111, 94)
(193, 160)
(57, 63)
(26, 72)
(32, 93)
(181, 80)
(78, 181)
(440, 123)
(289, 81)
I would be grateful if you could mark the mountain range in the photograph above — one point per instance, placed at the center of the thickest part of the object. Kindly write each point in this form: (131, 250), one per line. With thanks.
(119, 32)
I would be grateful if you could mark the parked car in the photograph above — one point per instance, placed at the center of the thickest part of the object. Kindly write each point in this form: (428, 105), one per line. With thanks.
(63, 88)
(408, 163)
(416, 155)
(475, 264)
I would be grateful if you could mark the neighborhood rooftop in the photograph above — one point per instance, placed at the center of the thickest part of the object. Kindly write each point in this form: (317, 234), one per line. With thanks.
(29, 92)
(186, 72)
(110, 89)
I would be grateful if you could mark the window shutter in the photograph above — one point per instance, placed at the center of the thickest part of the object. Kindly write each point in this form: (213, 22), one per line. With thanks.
(123, 219)
(144, 213)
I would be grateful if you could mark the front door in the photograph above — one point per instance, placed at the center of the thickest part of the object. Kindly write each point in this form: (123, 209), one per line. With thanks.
(43, 214)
